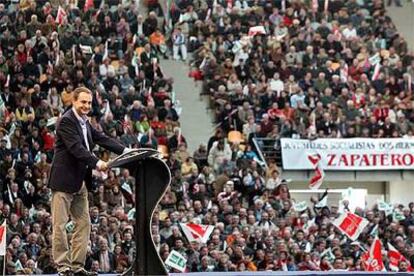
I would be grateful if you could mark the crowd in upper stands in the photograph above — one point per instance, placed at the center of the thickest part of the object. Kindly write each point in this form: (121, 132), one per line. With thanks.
(311, 75)
(311, 72)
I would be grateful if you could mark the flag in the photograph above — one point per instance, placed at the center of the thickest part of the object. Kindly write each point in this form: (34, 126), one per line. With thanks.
(314, 159)
(2, 109)
(317, 180)
(106, 54)
(283, 5)
(322, 203)
(135, 63)
(373, 258)
(350, 224)
(197, 232)
(176, 260)
(382, 205)
(315, 6)
(376, 73)
(375, 59)
(347, 194)
(395, 257)
(18, 265)
(374, 231)
(208, 15)
(300, 206)
(386, 207)
(209, 205)
(88, 5)
(326, 5)
(61, 14)
(70, 226)
(344, 73)
(397, 215)
(329, 254)
(85, 49)
(3, 239)
(125, 186)
(131, 214)
(257, 30)
(8, 81)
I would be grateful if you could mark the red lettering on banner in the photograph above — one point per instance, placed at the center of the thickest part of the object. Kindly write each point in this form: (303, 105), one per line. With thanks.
(396, 160)
(374, 159)
(354, 158)
(365, 160)
(343, 159)
(370, 160)
(331, 159)
(383, 159)
(410, 157)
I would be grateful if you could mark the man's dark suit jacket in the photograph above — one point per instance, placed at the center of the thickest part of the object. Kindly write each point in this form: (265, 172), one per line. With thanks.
(72, 162)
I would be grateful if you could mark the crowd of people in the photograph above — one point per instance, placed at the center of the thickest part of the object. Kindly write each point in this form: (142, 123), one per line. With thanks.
(308, 71)
(311, 71)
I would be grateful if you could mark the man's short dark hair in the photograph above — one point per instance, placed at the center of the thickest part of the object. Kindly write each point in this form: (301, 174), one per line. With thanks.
(79, 90)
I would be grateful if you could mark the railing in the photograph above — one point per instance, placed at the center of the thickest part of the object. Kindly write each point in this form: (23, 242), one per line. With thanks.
(267, 149)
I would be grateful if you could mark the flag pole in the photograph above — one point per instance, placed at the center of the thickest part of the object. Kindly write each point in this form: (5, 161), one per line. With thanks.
(5, 253)
(4, 264)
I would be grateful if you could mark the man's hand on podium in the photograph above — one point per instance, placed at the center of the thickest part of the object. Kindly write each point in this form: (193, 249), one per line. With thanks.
(102, 166)
(126, 150)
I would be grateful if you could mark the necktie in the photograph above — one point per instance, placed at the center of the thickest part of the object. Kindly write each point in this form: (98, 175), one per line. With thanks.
(85, 132)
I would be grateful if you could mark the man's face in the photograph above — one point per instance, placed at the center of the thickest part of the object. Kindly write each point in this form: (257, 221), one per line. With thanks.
(83, 103)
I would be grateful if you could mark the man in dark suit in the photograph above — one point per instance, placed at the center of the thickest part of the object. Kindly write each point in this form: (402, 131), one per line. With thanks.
(70, 179)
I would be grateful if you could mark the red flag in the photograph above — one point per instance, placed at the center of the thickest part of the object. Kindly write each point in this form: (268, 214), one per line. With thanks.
(314, 159)
(351, 225)
(61, 14)
(197, 232)
(373, 260)
(395, 257)
(3, 239)
(88, 5)
(317, 180)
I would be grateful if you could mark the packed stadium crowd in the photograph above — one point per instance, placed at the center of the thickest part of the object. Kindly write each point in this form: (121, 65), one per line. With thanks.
(269, 69)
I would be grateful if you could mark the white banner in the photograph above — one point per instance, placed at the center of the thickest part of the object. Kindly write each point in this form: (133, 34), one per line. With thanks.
(349, 154)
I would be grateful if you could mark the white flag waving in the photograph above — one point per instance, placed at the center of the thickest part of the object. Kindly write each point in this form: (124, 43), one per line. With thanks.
(257, 30)
(176, 260)
(3, 239)
(197, 232)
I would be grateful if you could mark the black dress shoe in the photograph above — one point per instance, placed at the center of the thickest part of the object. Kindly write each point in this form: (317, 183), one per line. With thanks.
(83, 272)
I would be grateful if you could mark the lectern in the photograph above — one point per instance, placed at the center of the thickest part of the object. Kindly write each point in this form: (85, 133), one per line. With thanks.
(152, 180)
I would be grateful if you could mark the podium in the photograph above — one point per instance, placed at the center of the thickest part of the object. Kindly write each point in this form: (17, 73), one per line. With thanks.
(152, 180)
